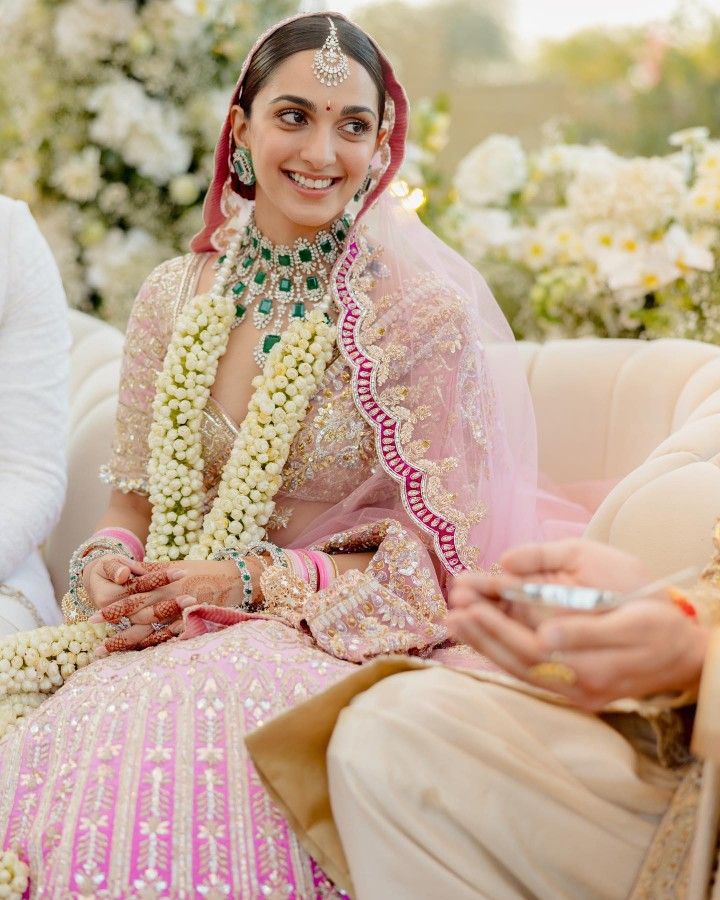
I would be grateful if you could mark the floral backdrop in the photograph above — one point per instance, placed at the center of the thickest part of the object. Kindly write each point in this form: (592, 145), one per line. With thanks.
(109, 111)
(576, 240)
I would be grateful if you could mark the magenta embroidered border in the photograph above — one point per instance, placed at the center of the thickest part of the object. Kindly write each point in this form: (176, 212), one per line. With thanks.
(413, 481)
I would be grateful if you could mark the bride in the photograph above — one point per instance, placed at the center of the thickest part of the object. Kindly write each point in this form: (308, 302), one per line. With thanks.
(322, 417)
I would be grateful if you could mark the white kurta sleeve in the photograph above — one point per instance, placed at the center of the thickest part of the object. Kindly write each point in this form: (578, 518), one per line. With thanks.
(34, 371)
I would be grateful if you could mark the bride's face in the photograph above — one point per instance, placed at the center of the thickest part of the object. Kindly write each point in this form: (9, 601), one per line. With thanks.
(311, 145)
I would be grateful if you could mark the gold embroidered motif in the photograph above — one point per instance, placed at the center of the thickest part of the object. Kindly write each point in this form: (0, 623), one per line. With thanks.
(333, 436)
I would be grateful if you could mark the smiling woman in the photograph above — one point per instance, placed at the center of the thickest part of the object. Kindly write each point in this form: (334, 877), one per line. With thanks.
(322, 417)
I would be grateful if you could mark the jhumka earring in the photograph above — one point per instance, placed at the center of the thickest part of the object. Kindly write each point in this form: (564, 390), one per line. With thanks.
(331, 66)
(243, 165)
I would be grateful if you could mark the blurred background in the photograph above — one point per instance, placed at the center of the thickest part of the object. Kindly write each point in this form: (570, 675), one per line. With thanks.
(523, 113)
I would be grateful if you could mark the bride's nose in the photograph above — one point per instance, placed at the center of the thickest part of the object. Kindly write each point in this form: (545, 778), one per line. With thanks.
(318, 149)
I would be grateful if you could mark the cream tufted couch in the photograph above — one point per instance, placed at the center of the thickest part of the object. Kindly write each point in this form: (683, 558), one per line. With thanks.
(646, 415)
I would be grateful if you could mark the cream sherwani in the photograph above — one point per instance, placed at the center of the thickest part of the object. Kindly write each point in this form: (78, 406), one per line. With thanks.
(34, 365)
(415, 782)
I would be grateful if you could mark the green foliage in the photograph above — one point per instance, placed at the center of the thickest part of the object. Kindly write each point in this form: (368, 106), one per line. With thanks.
(631, 88)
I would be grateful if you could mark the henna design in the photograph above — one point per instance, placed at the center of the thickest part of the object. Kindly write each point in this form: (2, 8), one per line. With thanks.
(121, 608)
(110, 568)
(117, 643)
(155, 638)
(142, 584)
(211, 589)
(167, 609)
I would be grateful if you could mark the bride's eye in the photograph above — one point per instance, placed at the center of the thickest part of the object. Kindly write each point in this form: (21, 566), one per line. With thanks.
(356, 128)
(292, 117)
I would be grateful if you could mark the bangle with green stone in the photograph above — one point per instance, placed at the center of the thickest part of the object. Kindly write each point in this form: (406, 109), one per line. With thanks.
(245, 577)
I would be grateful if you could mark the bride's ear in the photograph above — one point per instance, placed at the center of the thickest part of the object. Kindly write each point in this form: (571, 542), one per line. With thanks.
(381, 138)
(240, 124)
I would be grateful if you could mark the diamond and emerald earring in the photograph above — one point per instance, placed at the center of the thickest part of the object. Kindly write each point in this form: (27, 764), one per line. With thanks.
(243, 165)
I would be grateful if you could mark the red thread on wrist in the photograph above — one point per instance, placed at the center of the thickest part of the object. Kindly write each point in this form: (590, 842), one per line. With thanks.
(682, 603)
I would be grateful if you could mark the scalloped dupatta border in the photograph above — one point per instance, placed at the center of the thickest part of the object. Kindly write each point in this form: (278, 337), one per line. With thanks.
(413, 481)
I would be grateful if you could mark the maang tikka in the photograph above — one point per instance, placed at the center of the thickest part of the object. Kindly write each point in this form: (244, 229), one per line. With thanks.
(331, 65)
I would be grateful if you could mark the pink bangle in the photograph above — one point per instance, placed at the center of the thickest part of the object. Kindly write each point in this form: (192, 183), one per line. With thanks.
(325, 567)
(297, 564)
(312, 569)
(131, 541)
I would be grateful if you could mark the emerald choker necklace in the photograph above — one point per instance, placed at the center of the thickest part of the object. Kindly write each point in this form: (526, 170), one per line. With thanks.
(275, 284)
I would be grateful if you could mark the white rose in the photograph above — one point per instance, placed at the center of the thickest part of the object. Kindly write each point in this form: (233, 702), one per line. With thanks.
(643, 193)
(146, 132)
(480, 230)
(492, 171)
(79, 178)
(86, 29)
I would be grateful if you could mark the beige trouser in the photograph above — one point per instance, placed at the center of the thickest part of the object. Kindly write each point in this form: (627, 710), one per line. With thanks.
(444, 787)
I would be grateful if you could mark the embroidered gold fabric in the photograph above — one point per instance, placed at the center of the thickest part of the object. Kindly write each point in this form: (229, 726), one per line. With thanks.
(333, 436)
(666, 868)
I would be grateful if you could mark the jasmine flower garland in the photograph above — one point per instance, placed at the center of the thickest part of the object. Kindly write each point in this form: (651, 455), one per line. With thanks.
(252, 475)
(34, 664)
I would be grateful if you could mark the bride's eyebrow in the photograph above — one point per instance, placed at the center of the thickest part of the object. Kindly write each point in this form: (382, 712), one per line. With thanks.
(311, 107)
(298, 101)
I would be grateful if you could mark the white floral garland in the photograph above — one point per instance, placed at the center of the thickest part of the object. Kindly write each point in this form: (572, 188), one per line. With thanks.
(34, 664)
(253, 474)
(14, 875)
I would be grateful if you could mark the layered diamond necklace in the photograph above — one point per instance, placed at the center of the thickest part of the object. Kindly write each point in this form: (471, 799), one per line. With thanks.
(275, 284)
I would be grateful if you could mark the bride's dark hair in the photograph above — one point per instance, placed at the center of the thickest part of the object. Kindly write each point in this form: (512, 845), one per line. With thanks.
(310, 33)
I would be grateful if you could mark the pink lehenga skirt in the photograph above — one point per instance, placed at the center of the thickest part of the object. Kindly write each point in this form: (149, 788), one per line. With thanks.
(134, 781)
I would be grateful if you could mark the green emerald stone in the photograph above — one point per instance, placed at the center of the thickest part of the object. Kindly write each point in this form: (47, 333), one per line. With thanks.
(312, 283)
(239, 288)
(265, 306)
(305, 254)
(326, 247)
(340, 234)
(285, 285)
(255, 242)
(260, 277)
(269, 342)
(240, 310)
(284, 259)
(222, 259)
(298, 311)
(247, 262)
(266, 253)
(246, 576)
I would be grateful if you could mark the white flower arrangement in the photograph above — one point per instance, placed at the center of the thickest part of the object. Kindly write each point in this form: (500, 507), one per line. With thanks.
(252, 474)
(591, 243)
(109, 111)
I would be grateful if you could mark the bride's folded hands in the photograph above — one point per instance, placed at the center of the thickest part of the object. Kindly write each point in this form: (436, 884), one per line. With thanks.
(114, 577)
(161, 595)
(644, 647)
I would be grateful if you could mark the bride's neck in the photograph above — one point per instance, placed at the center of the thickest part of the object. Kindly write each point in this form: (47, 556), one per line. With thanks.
(280, 230)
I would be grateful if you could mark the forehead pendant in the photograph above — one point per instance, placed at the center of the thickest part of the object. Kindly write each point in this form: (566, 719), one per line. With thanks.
(331, 65)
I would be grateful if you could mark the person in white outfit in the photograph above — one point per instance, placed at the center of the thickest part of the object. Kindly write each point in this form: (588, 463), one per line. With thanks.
(34, 368)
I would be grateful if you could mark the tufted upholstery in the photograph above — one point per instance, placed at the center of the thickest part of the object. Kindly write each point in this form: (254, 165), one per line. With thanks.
(646, 415)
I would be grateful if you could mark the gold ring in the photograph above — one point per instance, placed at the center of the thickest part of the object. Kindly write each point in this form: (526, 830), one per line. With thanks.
(553, 673)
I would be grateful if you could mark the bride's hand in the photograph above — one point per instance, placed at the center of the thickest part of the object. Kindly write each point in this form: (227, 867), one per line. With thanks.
(193, 582)
(114, 577)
